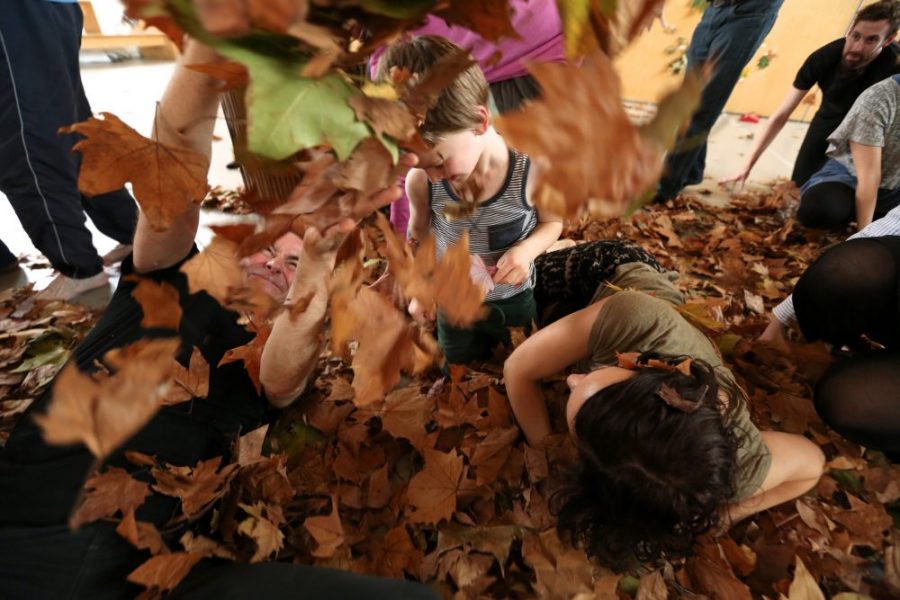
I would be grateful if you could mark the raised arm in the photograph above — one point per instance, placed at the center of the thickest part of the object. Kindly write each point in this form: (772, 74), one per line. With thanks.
(867, 160)
(419, 212)
(185, 117)
(773, 128)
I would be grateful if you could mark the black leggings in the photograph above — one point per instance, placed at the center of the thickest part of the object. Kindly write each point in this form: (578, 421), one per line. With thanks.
(853, 290)
(831, 205)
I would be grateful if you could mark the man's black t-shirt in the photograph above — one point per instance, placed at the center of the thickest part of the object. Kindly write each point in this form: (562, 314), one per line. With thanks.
(39, 483)
(840, 91)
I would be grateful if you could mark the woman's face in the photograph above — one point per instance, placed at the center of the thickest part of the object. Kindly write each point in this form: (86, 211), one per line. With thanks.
(582, 387)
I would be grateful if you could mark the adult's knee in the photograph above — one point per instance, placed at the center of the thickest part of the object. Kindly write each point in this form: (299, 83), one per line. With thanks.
(827, 205)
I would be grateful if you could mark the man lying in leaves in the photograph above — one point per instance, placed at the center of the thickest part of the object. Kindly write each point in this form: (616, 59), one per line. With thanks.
(666, 447)
(110, 424)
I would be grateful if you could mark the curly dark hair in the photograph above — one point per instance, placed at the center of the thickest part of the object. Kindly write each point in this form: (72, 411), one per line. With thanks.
(653, 473)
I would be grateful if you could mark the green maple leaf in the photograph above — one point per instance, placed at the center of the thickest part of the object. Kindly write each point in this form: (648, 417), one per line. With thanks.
(287, 112)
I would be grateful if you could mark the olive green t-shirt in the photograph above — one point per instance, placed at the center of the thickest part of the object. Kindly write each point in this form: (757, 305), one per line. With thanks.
(642, 321)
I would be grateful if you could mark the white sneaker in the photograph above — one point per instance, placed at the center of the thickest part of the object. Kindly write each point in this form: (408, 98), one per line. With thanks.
(66, 288)
(117, 254)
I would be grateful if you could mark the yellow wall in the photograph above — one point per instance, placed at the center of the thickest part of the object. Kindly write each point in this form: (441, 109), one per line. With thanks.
(802, 26)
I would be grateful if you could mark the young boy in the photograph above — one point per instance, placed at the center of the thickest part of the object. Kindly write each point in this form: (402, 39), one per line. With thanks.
(470, 161)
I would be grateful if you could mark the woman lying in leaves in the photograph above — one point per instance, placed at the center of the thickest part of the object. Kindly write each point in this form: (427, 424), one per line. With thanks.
(667, 450)
(41, 484)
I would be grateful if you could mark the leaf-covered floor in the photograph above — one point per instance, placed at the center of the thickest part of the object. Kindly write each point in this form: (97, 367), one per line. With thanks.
(441, 487)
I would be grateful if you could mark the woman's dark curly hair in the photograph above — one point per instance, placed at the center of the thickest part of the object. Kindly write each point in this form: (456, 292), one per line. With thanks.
(657, 463)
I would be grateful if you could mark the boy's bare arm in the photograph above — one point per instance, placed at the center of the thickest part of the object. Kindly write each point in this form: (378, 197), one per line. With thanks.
(419, 213)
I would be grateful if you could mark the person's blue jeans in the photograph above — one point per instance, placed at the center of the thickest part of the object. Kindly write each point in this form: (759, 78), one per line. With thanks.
(730, 35)
(41, 91)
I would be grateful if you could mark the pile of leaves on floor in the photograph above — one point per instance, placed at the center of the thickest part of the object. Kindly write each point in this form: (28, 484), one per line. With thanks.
(438, 485)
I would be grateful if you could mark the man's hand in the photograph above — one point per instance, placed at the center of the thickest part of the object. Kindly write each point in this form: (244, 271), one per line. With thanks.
(775, 335)
(420, 312)
(513, 267)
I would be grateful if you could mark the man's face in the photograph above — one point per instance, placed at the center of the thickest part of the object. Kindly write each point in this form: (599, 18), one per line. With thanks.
(274, 267)
(864, 43)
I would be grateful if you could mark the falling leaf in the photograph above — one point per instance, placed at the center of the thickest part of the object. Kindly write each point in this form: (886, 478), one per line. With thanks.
(581, 106)
(232, 75)
(113, 491)
(260, 528)
(215, 270)
(490, 19)
(288, 112)
(197, 487)
(190, 383)
(102, 415)
(165, 179)
(141, 535)
(250, 445)
(446, 283)
(165, 571)
(432, 492)
(327, 531)
(251, 355)
(385, 115)
(159, 302)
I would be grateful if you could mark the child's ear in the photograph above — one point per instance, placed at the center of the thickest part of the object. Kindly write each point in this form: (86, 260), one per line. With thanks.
(484, 119)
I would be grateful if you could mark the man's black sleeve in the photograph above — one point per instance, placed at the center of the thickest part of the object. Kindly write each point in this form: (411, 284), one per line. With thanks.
(817, 65)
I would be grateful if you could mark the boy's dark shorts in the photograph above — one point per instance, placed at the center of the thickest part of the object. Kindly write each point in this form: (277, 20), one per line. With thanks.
(462, 346)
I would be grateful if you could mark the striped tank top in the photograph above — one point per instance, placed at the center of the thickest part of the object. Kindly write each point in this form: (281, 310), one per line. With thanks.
(497, 223)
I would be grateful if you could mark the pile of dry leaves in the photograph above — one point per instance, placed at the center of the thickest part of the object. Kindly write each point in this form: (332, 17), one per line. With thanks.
(441, 488)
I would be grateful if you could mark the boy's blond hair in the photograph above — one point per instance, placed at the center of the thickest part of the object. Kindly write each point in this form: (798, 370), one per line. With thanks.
(456, 106)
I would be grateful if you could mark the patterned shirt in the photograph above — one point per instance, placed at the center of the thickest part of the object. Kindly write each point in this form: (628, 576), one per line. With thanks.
(496, 224)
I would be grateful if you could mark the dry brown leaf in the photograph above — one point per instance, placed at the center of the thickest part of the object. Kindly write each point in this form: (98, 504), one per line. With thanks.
(396, 555)
(251, 355)
(165, 571)
(216, 270)
(432, 491)
(261, 528)
(103, 415)
(107, 493)
(327, 531)
(190, 383)
(159, 302)
(652, 587)
(388, 117)
(804, 587)
(231, 75)
(491, 454)
(165, 179)
(197, 487)
(141, 535)
(580, 107)
(716, 580)
(490, 19)
(446, 283)
(405, 413)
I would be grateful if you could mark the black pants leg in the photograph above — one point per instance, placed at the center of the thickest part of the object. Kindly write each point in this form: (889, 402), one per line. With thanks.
(811, 156)
(828, 205)
(41, 91)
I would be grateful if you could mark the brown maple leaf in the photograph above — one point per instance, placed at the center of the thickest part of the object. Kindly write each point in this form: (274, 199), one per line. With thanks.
(387, 343)
(396, 555)
(262, 527)
(159, 302)
(432, 491)
(446, 283)
(107, 493)
(165, 179)
(491, 454)
(405, 413)
(190, 383)
(197, 487)
(165, 571)
(491, 19)
(216, 270)
(141, 535)
(251, 355)
(327, 531)
(388, 117)
(102, 414)
(231, 75)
